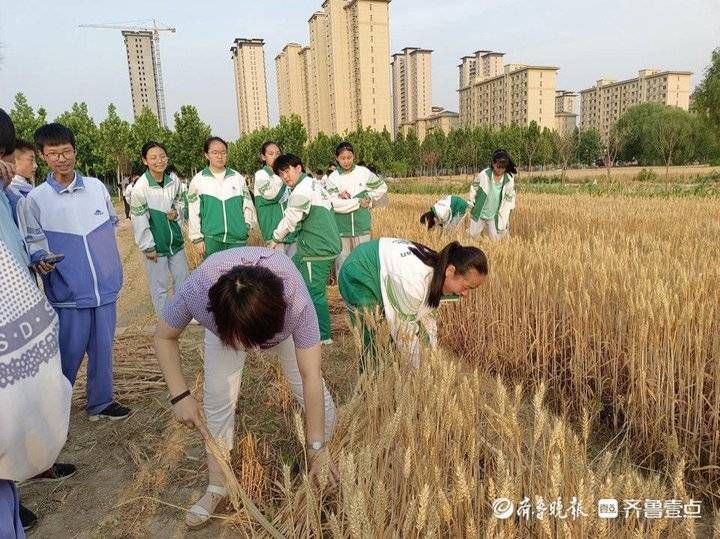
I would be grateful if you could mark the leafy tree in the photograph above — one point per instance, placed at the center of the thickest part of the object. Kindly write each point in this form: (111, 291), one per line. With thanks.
(412, 148)
(657, 134)
(589, 146)
(706, 97)
(530, 142)
(291, 134)
(565, 144)
(186, 143)
(83, 127)
(673, 132)
(25, 119)
(113, 144)
(432, 151)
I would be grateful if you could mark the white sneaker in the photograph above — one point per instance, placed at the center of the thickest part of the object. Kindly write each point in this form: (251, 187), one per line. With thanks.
(327, 342)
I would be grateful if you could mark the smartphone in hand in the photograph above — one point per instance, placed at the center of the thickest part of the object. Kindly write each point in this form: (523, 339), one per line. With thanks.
(53, 259)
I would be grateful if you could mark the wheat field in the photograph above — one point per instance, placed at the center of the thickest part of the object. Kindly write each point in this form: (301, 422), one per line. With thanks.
(587, 367)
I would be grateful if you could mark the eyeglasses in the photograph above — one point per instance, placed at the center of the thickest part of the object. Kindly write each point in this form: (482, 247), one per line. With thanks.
(55, 156)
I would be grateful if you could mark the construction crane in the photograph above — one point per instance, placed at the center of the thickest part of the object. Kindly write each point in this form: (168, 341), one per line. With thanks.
(155, 30)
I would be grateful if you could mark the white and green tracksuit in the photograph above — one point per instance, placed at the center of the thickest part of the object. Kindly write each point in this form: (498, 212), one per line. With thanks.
(149, 204)
(271, 195)
(309, 214)
(353, 221)
(450, 211)
(384, 273)
(493, 202)
(222, 213)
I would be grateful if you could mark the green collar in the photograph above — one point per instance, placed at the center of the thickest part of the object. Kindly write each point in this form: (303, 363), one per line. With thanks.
(270, 171)
(342, 171)
(152, 182)
(207, 172)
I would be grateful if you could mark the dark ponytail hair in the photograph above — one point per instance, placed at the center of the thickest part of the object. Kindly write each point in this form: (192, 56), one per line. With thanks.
(464, 258)
(345, 145)
(429, 219)
(501, 156)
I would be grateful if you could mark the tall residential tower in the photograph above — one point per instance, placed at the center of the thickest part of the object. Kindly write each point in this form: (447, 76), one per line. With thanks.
(248, 56)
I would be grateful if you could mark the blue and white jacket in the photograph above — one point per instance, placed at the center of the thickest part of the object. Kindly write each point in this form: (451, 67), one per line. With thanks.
(79, 222)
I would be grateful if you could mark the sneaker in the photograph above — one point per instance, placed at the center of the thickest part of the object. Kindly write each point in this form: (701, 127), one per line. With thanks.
(114, 412)
(27, 518)
(326, 342)
(57, 472)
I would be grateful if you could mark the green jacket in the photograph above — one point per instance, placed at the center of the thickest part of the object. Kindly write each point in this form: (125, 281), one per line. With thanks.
(359, 183)
(149, 202)
(309, 212)
(271, 196)
(478, 194)
(220, 209)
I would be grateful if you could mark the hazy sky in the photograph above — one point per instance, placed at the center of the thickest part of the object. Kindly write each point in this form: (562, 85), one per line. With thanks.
(46, 56)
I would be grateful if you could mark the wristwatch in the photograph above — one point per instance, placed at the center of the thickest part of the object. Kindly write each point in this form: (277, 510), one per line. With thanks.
(315, 446)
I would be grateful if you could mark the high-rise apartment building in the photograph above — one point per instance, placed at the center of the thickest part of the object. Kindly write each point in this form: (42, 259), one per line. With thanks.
(412, 86)
(248, 57)
(494, 95)
(291, 71)
(144, 84)
(343, 73)
(604, 103)
(565, 115)
(318, 79)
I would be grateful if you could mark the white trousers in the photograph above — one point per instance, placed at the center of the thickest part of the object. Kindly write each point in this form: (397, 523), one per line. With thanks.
(348, 244)
(476, 228)
(223, 374)
(157, 276)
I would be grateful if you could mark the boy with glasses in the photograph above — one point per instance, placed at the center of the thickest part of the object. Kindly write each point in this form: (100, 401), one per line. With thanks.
(73, 216)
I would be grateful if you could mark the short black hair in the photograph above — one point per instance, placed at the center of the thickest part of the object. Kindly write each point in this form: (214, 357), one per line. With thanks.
(53, 134)
(266, 145)
(24, 145)
(248, 304)
(345, 145)
(210, 140)
(149, 145)
(7, 134)
(285, 161)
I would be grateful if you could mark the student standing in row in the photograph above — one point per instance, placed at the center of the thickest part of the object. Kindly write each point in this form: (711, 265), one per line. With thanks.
(405, 282)
(271, 196)
(156, 206)
(446, 213)
(220, 207)
(493, 195)
(251, 298)
(353, 190)
(73, 216)
(309, 211)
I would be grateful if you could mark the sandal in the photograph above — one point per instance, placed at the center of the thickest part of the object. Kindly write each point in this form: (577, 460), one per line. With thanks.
(201, 513)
